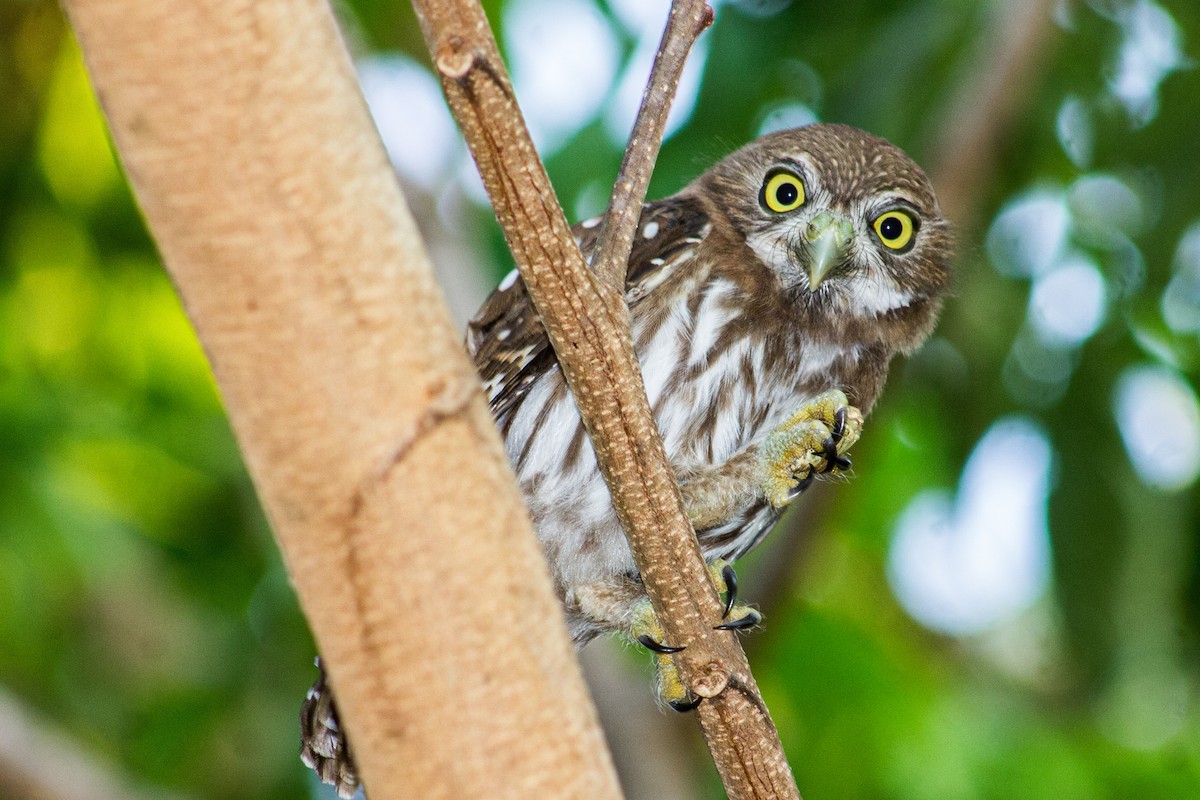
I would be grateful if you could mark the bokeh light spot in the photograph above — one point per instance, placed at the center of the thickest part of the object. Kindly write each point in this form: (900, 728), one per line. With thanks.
(788, 115)
(73, 146)
(1104, 205)
(1036, 374)
(960, 565)
(1150, 51)
(1181, 300)
(1074, 128)
(51, 307)
(416, 128)
(564, 56)
(1159, 421)
(641, 18)
(1067, 304)
(1029, 234)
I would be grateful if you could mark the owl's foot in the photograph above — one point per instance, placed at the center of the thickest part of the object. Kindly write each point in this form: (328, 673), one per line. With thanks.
(647, 631)
(814, 441)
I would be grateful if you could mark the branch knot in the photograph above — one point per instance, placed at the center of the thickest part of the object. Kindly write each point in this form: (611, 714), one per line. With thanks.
(710, 681)
(453, 59)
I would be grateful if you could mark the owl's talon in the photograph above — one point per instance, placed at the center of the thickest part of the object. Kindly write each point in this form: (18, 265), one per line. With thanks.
(729, 576)
(829, 451)
(736, 617)
(839, 425)
(834, 461)
(646, 630)
(684, 706)
(829, 448)
(748, 620)
(800, 486)
(650, 643)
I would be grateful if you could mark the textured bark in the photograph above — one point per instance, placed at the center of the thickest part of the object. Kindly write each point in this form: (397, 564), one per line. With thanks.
(588, 325)
(255, 162)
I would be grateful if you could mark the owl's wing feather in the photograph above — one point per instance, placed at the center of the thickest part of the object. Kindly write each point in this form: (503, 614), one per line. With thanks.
(506, 339)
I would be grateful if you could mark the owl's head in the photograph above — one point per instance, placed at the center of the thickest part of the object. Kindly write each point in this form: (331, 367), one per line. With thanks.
(843, 218)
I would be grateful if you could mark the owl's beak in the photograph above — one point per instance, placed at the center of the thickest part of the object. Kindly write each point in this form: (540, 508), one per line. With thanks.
(827, 237)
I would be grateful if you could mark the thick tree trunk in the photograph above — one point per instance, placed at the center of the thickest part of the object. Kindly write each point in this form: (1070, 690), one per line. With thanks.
(257, 167)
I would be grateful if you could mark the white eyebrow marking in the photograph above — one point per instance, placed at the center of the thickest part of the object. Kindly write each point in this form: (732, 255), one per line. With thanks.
(896, 197)
(509, 280)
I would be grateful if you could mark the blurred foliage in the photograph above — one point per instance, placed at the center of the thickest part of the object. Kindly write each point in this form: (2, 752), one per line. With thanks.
(143, 606)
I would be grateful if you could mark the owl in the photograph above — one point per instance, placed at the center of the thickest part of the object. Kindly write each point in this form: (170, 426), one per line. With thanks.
(767, 300)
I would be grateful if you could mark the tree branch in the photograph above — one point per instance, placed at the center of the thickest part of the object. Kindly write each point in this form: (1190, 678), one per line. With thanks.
(588, 325)
(686, 21)
(256, 164)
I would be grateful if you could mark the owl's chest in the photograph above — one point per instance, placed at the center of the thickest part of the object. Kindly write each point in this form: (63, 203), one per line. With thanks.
(718, 378)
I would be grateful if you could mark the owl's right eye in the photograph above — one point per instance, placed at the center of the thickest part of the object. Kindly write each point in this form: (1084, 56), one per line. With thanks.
(782, 192)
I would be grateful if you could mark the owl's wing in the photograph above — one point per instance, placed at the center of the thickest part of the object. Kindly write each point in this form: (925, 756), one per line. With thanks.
(506, 339)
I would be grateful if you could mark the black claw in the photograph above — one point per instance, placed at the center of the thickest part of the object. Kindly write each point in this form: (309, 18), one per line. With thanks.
(829, 450)
(830, 445)
(684, 706)
(650, 643)
(730, 578)
(748, 621)
(839, 424)
(800, 486)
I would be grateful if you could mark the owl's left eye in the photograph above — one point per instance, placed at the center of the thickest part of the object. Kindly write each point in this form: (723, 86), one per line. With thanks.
(895, 229)
(782, 192)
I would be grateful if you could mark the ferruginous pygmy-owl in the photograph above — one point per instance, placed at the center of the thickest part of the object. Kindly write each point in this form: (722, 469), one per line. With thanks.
(788, 274)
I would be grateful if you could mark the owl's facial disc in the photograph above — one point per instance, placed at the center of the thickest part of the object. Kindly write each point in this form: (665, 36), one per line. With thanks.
(828, 238)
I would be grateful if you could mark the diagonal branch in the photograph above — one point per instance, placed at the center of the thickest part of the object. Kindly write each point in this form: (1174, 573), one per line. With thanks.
(686, 21)
(587, 322)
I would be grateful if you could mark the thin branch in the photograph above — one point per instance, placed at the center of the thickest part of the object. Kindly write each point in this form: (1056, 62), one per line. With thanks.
(686, 21)
(587, 322)
(267, 189)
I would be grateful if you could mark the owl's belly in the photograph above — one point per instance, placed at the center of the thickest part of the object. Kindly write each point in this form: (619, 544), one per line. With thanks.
(564, 491)
(570, 504)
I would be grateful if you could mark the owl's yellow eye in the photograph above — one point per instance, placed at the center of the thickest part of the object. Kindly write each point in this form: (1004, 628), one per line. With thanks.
(783, 192)
(895, 229)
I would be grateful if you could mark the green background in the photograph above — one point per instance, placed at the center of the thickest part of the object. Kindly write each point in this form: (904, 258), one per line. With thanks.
(146, 617)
